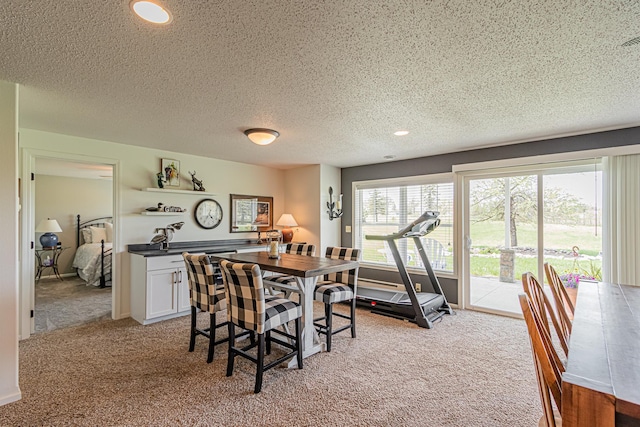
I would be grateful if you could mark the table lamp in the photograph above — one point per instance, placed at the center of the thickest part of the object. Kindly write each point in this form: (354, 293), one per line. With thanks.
(287, 221)
(48, 227)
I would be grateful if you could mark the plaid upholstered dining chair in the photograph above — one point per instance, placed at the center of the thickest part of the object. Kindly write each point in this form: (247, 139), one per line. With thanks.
(337, 287)
(251, 310)
(205, 295)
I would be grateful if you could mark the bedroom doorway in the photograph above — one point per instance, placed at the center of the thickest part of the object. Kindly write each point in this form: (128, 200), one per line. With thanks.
(72, 283)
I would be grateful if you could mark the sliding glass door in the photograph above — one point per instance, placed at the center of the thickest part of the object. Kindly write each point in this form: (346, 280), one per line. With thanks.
(515, 220)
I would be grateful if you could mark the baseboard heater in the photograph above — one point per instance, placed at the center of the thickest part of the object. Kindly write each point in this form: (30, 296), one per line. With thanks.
(422, 308)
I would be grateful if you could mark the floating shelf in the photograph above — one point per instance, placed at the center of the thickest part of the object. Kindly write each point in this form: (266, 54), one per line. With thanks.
(168, 190)
(156, 213)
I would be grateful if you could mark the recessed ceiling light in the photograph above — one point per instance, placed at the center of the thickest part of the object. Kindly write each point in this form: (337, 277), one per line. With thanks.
(151, 11)
(401, 133)
(389, 157)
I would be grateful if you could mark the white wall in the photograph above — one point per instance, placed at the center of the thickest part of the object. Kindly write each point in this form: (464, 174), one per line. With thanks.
(303, 196)
(307, 190)
(330, 229)
(136, 168)
(9, 390)
(62, 198)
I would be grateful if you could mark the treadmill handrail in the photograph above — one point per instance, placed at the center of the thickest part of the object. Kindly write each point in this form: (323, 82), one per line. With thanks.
(423, 225)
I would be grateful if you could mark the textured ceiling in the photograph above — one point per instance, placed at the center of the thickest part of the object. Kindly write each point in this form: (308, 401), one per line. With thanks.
(336, 78)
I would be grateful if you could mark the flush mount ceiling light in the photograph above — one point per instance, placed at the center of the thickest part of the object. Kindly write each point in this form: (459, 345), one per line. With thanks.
(261, 136)
(401, 133)
(151, 11)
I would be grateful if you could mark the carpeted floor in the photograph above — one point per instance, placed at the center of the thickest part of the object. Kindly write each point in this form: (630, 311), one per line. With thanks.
(472, 369)
(69, 302)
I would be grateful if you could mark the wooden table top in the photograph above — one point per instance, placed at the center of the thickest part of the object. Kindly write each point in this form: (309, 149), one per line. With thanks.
(290, 264)
(604, 350)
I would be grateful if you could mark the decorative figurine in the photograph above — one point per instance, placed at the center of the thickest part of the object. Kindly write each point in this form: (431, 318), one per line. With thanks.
(160, 177)
(197, 184)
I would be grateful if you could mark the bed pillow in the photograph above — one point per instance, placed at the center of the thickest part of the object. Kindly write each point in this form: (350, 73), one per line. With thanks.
(86, 235)
(98, 234)
(109, 229)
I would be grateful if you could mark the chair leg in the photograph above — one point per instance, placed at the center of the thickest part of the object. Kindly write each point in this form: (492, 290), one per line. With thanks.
(212, 336)
(328, 312)
(232, 343)
(260, 367)
(192, 340)
(299, 341)
(353, 318)
(268, 341)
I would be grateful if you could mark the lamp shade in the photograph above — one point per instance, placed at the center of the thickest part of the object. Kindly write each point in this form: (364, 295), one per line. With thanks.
(261, 136)
(286, 220)
(48, 226)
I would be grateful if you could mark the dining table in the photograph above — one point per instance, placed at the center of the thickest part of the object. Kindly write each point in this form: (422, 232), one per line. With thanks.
(601, 383)
(306, 270)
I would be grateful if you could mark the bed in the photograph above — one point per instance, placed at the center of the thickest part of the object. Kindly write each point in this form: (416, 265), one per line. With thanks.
(94, 250)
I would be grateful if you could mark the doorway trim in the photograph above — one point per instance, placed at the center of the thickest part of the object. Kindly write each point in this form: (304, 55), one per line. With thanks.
(27, 232)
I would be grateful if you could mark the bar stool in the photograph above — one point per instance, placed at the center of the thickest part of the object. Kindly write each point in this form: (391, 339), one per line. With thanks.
(337, 287)
(205, 295)
(249, 309)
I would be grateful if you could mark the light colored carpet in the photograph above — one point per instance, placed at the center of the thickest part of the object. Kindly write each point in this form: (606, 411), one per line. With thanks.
(69, 302)
(472, 369)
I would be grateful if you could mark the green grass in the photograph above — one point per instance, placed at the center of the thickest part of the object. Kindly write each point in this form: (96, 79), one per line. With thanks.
(490, 267)
(560, 237)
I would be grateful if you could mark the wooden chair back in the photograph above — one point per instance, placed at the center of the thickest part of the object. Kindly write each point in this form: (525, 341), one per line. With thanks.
(544, 309)
(548, 367)
(564, 305)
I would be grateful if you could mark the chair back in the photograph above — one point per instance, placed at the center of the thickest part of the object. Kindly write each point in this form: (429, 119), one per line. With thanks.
(301, 249)
(203, 292)
(245, 295)
(564, 305)
(348, 277)
(543, 308)
(435, 254)
(547, 363)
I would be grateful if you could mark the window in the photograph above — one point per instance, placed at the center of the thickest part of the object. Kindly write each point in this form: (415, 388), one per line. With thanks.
(384, 207)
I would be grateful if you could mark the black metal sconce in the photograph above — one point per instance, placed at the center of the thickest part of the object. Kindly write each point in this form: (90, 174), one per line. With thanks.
(335, 209)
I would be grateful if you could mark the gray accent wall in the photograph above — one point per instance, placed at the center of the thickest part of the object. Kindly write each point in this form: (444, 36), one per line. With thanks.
(443, 164)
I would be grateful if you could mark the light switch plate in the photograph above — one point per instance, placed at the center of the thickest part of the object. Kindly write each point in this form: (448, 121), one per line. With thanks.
(347, 229)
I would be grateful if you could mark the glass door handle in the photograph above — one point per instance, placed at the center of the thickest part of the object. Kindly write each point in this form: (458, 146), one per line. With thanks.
(468, 242)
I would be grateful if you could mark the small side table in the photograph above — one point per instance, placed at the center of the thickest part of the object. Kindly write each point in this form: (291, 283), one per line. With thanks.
(47, 257)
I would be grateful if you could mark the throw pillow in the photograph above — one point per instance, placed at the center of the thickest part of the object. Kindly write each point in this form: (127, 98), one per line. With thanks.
(109, 228)
(86, 235)
(98, 234)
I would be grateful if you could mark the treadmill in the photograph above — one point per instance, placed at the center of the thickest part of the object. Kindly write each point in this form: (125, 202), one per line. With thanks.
(423, 308)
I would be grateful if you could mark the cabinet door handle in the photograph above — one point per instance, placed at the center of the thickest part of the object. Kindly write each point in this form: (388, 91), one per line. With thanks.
(179, 276)
(174, 277)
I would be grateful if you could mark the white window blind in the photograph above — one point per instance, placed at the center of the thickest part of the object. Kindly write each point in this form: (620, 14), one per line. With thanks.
(385, 207)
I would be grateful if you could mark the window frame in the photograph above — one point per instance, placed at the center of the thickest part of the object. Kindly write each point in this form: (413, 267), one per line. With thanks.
(430, 179)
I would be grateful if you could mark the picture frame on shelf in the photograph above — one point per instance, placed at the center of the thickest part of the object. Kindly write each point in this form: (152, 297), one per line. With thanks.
(251, 213)
(170, 170)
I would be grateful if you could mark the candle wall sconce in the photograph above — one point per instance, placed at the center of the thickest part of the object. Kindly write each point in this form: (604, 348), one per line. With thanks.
(335, 208)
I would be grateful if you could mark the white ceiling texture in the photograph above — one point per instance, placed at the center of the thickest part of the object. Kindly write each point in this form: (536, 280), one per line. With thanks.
(336, 78)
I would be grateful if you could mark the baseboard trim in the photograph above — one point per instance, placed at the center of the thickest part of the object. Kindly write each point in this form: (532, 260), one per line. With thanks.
(53, 276)
(12, 397)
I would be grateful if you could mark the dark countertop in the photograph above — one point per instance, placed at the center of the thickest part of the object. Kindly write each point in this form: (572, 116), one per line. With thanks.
(206, 246)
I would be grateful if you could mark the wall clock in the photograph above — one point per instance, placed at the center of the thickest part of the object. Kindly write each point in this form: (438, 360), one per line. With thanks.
(208, 213)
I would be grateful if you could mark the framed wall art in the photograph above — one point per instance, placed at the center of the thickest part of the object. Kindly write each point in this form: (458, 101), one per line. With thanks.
(251, 213)
(170, 172)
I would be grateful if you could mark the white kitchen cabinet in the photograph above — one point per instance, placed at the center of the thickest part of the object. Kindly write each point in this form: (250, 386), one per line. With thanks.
(159, 288)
